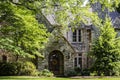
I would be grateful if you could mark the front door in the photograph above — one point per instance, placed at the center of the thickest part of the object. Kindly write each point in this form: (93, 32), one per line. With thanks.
(56, 63)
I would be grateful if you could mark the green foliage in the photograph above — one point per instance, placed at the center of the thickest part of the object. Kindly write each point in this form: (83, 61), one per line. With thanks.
(19, 25)
(75, 11)
(27, 68)
(18, 68)
(46, 73)
(118, 8)
(7, 69)
(106, 51)
(20, 31)
(85, 72)
(71, 73)
(78, 69)
(110, 4)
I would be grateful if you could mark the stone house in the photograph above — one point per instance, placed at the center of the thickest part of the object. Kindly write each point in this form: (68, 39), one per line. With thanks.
(63, 53)
(67, 51)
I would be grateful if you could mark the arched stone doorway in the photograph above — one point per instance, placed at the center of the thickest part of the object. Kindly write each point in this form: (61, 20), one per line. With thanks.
(56, 63)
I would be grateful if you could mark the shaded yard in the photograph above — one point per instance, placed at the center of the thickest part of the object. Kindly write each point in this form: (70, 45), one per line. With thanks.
(54, 78)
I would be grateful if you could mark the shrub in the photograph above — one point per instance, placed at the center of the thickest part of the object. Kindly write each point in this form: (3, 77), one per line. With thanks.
(94, 73)
(71, 73)
(46, 73)
(18, 68)
(27, 68)
(86, 72)
(78, 69)
(7, 69)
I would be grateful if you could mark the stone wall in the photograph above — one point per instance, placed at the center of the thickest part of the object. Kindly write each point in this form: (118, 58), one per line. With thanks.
(9, 56)
(60, 45)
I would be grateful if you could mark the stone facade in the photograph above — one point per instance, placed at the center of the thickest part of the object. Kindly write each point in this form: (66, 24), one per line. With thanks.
(6, 56)
(67, 50)
(60, 44)
(74, 50)
(74, 53)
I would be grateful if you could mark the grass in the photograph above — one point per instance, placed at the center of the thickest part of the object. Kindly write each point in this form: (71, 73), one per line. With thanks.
(54, 78)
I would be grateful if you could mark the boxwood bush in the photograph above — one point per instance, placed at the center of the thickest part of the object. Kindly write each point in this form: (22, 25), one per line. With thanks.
(18, 68)
(7, 69)
(71, 73)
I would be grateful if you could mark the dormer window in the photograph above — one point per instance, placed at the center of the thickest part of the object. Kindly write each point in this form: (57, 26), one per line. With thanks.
(76, 36)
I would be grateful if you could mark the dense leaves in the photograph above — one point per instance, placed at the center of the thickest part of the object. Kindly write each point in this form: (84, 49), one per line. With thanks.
(106, 51)
(18, 68)
(73, 12)
(20, 31)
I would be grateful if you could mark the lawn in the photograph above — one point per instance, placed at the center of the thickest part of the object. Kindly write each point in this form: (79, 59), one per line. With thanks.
(54, 78)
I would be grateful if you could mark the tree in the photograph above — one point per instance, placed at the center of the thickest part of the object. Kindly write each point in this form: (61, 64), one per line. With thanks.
(73, 12)
(18, 20)
(20, 32)
(118, 8)
(106, 51)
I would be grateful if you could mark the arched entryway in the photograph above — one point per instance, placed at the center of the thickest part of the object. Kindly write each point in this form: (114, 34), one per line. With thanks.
(56, 63)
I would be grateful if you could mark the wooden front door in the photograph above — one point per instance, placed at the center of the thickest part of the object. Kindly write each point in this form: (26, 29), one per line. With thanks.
(56, 63)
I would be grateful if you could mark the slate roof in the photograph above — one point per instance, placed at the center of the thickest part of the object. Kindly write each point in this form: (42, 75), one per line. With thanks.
(115, 17)
(51, 19)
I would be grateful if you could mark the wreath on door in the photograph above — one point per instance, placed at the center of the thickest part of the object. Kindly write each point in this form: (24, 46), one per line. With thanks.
(54, 62)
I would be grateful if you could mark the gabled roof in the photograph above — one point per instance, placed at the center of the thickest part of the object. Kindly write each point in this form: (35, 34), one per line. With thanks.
(116, 23)
(115, 17)
(51, 19)
(69, 44)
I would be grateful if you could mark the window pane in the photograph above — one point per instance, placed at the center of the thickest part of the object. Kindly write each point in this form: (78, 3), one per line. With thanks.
(75, 36)
(74, 39)
(79, 35)
(80, 62)
(75, 62)
(79, 54)
(4, 58)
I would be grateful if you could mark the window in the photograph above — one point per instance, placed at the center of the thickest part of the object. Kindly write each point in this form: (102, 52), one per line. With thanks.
(76, 36)
(78, 61)
(75, 62)
(4, 58)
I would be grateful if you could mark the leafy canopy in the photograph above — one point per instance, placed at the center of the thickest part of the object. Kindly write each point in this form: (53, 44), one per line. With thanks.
(73, 12)
(20, 31)
(106, 51)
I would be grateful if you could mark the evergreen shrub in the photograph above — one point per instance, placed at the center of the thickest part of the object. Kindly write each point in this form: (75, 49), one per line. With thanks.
(71, 73)
(18, 68)
(7, 69)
